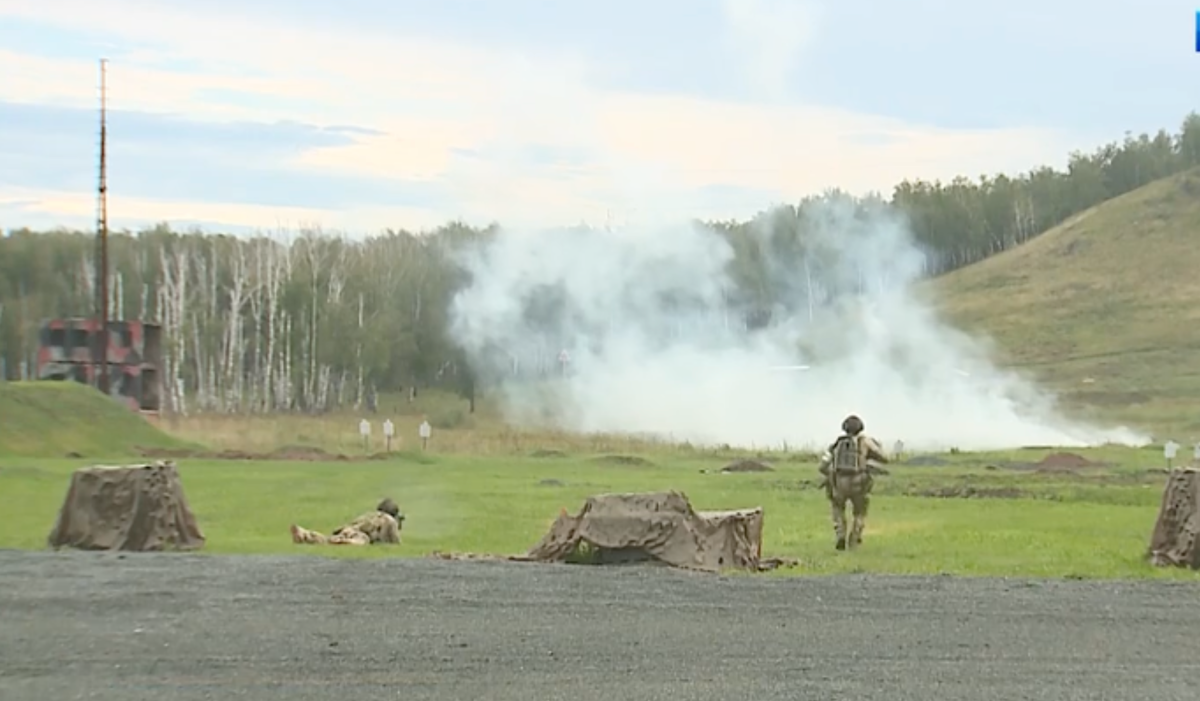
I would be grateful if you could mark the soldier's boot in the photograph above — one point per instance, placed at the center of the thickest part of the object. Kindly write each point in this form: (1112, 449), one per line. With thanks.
(839, 526)
(856, 531)
(859, 505)
(303, 536)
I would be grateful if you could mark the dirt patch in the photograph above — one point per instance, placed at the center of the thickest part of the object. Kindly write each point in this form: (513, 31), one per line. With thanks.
(965, 492)
(1052, 463)
(166, 452)
(1065, 462)
(632, 460)
(286, 453)
(926, 461)
(551, 483)
(544, 453)
(303, 452)
(747, 466)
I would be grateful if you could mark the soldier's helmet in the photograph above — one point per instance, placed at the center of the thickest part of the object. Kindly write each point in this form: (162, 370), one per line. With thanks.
(853, 425)
(389, 507)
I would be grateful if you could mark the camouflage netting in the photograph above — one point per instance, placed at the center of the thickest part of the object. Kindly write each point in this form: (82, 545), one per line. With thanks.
(656, 526)
(129, 507)
(1174, 542)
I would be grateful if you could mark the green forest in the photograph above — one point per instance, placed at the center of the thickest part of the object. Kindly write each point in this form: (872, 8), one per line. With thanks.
(312, 320)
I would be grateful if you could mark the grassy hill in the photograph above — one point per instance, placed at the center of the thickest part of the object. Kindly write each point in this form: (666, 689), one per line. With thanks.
(1104, 309)
(54, 419)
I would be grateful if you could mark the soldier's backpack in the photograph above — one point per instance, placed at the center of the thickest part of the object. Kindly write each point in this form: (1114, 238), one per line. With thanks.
(846, 455)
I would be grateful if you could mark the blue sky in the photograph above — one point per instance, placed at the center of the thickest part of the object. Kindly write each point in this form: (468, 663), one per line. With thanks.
(367, 114)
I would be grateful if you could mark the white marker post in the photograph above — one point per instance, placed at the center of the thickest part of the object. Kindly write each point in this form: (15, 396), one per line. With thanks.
(424, 431)
(1169, 451)
(364, 430)
(389, 430)
(1196, 453)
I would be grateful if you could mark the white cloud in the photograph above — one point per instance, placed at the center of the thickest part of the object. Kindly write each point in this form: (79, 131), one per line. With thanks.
(772, 35)
(435, 100)
(48, 208)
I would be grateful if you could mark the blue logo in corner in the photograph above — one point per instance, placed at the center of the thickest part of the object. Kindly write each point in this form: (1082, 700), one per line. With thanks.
(1198, 31)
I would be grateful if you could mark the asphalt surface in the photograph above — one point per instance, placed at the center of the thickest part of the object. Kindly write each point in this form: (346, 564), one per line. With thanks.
(167, 627)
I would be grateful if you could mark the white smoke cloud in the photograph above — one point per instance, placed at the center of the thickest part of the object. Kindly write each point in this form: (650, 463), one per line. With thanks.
(655, 348)
(656, 334)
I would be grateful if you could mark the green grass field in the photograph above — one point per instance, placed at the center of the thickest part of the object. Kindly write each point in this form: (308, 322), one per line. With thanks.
(58, 418)
(1094, 523)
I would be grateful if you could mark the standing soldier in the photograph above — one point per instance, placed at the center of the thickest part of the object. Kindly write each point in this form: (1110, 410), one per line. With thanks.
(847, 468)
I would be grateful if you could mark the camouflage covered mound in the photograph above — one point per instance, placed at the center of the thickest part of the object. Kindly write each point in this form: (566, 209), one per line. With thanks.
(1174, 541)
(133, 507)
(658, 526)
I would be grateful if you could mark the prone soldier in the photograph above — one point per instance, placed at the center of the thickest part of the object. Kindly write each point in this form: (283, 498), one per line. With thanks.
(379, 526)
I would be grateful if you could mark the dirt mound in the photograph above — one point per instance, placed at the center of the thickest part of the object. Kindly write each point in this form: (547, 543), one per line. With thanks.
(926, 461)
(1064, 462)
(747, 466)
(1054, 462)
(967, 492)
(165, 453)
(286, 453)
(302, 452)
(622, 460)
(547, 453)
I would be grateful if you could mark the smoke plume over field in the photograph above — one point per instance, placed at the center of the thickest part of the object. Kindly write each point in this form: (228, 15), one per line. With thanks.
(655, 327)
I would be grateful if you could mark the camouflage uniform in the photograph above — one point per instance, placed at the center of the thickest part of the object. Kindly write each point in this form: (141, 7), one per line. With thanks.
(851, 482)
(379, 526)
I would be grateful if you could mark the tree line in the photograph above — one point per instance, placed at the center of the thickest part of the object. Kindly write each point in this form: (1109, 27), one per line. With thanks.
(310, 321)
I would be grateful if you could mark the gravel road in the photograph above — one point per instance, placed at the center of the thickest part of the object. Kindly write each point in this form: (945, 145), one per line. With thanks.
(172, 627)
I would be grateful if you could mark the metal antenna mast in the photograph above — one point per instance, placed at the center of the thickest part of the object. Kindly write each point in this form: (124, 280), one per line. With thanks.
(102, 232)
